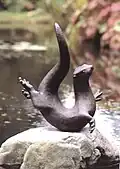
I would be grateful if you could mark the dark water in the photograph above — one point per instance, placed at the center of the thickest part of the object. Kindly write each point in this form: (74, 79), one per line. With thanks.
(17, 113)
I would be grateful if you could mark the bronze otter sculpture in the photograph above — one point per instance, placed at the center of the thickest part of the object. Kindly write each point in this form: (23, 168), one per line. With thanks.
(46, 98)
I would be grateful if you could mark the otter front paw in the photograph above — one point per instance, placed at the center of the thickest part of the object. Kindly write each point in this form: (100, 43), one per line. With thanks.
(26, 87)
(98, 95)
(92, 125)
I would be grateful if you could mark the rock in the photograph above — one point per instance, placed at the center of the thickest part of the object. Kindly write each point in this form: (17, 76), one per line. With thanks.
(48, 148)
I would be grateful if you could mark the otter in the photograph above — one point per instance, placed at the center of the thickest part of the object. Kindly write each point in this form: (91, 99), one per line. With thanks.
(46, 98)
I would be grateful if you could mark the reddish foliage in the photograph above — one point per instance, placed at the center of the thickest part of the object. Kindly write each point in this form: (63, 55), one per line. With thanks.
(99, 35)
(115, 7)
(104, 13)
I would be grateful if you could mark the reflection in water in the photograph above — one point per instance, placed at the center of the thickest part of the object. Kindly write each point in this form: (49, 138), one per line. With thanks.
(17, 114)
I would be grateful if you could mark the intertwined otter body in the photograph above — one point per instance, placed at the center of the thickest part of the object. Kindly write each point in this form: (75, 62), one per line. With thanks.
(46, 99)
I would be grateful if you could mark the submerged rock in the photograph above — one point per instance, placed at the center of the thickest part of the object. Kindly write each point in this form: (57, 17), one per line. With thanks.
(48, 148)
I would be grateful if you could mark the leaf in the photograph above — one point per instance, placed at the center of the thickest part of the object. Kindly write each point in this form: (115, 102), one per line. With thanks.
(116, 70)
(102, 28)
(80, 3)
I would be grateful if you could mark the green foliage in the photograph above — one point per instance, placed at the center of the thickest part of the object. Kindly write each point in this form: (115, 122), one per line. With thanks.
(18, 5)
(102, 27)
(80, 3)
(117, 26)
(116, 70)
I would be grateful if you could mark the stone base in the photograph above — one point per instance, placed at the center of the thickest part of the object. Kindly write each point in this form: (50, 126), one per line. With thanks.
(42, 148)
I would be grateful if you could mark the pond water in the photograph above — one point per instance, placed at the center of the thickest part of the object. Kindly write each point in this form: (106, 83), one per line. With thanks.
(107, 117)
(17, 114)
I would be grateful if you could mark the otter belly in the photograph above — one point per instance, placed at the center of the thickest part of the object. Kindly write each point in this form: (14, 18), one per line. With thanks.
(68, 124)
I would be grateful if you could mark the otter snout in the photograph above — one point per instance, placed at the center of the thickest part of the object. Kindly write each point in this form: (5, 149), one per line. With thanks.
(89, 69)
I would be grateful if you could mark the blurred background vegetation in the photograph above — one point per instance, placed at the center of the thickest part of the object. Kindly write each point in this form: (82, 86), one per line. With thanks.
(91, 26)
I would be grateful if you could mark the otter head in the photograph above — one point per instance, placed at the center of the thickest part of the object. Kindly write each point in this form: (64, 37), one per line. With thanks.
(83, 72)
